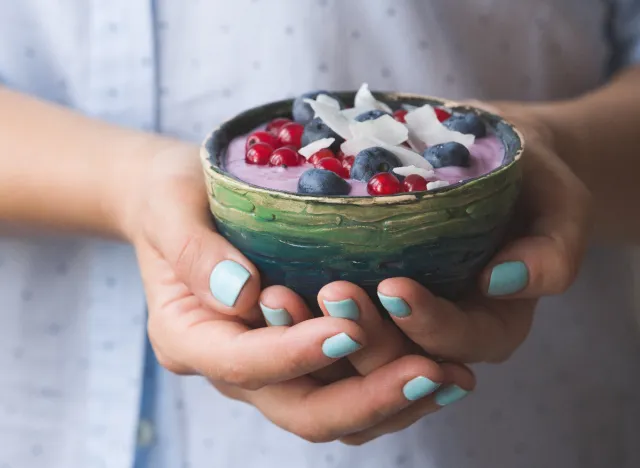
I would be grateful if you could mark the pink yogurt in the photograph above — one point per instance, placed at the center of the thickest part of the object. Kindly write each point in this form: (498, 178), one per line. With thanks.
(486, 155)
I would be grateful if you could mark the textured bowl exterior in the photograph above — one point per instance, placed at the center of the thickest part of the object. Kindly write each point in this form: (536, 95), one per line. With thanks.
(441, 239)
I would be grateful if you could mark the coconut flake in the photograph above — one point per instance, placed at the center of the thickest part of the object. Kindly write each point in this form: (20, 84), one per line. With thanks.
(424, 124)
(365, 99)
(315, 146)
(410, 170)
(328, 100)
(384, 129)
(355, 145)
(331, 116)
(437, 184)
(408, 157)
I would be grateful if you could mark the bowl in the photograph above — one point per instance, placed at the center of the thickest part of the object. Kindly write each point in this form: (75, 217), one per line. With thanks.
(442, 239)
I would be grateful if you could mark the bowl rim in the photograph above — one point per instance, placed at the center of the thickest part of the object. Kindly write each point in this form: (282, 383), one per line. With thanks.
(217, 173)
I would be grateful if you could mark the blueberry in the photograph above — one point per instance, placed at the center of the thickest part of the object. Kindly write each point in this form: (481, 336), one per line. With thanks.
(371, 115)
(317, 130)
(372, 161)
(322, 182)
(302, 112)
(469, 124)
(447, 154)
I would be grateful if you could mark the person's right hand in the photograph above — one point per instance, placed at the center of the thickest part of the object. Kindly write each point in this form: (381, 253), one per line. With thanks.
(203, 306)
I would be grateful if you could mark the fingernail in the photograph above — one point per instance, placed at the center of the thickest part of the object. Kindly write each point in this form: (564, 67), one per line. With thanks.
(227, 280)
(347, 309)
(450, 394)
(276, 317)
(508, 278)
(340, 345)
(418, 388)
(396, 306)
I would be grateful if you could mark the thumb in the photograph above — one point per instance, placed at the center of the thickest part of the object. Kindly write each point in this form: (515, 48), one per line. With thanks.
(178, 225)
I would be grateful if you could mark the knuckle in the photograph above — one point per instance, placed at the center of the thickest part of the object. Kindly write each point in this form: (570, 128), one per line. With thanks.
(190, 249)
(238, 375)
(308, 428)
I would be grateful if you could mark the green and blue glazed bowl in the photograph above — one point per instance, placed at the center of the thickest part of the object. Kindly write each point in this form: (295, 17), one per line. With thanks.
(441, 238)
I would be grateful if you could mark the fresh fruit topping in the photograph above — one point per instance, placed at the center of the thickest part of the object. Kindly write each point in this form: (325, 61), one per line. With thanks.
(347, 163)
(437, 184)
(370, 115)
(322, 154)
(372, 161)
(447, 154)
(383, 184)
(340, 155)
(414, 183)
(312, 148)
(424, 124)
(333, 165)
(469, 124)
(399, 115)
(318, 130)
(332, 117)
(259, 154)
(286, 156)
(322, 182)
(276, 124)
(302, 111)
(442, 114)
(291, 134)
(262, 137)
(406, 171)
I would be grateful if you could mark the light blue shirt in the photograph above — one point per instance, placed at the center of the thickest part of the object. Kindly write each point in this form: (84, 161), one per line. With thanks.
(72, 350)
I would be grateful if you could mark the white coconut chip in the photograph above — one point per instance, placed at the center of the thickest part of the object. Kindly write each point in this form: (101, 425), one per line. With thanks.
(354, 112)
(424, 123)
(410, 170)
(353, 146)
(332, 117)
(408, 157)
(328, 100)
(437, 184)
(365, 99)
(313, 147)
(384, 129)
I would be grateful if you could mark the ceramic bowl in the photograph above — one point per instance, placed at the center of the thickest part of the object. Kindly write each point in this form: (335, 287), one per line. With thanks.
(442, 238)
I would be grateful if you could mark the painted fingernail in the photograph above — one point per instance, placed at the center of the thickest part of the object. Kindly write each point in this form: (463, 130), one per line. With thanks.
(418, 388)
(340, 345)
(227, 280)
(276, 317)
(508, 278)
(449, 394)
(347, 309)
(396, 306)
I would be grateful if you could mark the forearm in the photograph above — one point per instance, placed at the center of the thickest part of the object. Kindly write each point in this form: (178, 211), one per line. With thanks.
(62, 170)
(598, 136)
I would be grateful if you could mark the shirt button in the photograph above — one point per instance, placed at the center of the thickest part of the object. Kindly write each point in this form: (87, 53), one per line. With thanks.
(146, 434)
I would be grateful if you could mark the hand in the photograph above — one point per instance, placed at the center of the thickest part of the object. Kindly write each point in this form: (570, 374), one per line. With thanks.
(202, 322)
(542, 258)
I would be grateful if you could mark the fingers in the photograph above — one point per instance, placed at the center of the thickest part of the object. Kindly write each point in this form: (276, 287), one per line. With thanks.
(326, 413)
(458, 382)
(342, 299)
(178, 226)
(282, 307)
(546, 261)
(478, 331)
(227, 351)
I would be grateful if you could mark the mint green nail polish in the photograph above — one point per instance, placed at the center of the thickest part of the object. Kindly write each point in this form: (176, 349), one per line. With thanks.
(396, 306)
(276, 317)
(347, 309)
(227, 280)
(450, 394)
(418, 388)
(340, 345)
(508, 278)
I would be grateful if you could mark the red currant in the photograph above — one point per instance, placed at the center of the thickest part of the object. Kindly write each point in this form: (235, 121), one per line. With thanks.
(384, 183)
(286, 157)
(347, 163)
(333, 165)
(442, 114)
(400, 115)
(322, 154)
(414, 183)
(291, 134)
(276, 124)
(259, 154)
(262, 137)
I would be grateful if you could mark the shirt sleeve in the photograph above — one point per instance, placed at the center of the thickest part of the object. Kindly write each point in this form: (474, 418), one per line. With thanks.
(625, 33)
